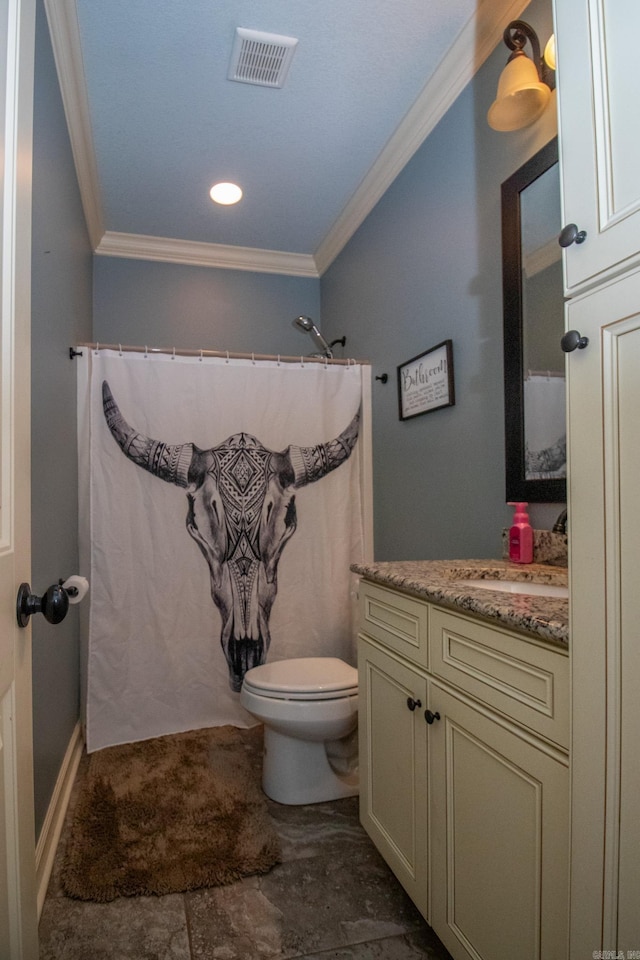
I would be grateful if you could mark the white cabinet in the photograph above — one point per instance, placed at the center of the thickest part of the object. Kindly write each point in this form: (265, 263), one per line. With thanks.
(392, 733)
(464, 774)
(604, 479)
(393, 765)
(499, 803)
(599, 127)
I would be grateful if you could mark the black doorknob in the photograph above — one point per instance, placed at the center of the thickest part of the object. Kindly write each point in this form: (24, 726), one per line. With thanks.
(570, 234)
(53, 605)
(573, 340)
(430, 717)
(412, 704)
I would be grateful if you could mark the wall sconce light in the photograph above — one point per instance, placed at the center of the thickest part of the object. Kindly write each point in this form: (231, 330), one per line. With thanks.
(525, 84)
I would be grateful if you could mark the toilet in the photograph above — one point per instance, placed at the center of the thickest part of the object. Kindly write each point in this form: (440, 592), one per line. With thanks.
(309, 708)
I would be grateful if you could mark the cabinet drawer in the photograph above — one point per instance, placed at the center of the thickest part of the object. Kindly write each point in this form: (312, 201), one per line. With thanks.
(522, 679)
(395, 620)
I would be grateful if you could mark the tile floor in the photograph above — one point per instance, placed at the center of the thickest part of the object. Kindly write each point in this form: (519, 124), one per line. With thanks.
(331, 898)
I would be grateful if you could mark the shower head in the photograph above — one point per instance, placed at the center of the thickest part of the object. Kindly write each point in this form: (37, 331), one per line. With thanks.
(307, 325)
(304, 323)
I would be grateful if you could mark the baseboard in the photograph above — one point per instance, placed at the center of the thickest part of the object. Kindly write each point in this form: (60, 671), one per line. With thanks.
(54, 820)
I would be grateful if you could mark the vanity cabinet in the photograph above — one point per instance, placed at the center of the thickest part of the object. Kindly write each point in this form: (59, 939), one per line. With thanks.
(464, 776)
(392, 734)
(393, 765)
(599, 118)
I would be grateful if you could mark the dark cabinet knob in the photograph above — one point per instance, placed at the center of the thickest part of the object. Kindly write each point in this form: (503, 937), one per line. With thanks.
(570, 234)
(412, 704)
(430, 717)
(573, 340)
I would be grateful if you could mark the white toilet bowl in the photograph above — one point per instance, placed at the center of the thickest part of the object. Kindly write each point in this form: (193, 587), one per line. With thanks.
(309, 708)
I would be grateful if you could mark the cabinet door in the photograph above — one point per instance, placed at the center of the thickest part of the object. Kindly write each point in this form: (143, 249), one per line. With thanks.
(599, 120)
(499, 814)
(393, 766)
(604, 480)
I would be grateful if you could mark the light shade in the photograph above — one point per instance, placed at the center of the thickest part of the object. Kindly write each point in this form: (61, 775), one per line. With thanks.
(550, 52)
(521, 98)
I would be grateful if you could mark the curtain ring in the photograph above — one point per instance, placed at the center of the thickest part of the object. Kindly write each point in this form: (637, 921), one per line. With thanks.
(278, 359)
(97, 351)
(200, 358)
(302, 362)
(253, 359)
(227, 360)
(146, 353)
(120, 349)
(326, 363)
(173, 355)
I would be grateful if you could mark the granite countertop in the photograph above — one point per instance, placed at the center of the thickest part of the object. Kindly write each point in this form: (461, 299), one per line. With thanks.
(444, 582)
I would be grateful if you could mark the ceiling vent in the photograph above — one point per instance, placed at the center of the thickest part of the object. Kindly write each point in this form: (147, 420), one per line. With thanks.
(261, 58)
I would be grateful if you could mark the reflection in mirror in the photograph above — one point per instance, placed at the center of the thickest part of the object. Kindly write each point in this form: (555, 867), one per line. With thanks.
(535, 413)
(542, 320)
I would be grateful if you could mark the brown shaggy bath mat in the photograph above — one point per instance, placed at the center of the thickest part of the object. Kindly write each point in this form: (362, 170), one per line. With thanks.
(171, 814)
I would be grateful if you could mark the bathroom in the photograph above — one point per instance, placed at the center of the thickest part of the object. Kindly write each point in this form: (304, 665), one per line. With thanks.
(425, 266)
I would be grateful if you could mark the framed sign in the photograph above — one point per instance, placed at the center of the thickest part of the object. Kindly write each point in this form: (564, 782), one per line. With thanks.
(425, 382)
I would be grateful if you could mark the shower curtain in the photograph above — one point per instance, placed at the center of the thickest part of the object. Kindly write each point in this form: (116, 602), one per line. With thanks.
(153, 535)
(545, 426)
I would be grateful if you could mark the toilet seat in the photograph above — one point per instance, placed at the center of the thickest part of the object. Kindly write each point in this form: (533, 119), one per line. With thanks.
(306, 678)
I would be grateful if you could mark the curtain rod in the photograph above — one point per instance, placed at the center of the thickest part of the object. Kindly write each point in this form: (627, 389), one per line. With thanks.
(225, 354)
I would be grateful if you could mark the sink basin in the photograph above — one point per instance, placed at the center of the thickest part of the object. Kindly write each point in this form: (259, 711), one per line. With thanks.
(522, 587)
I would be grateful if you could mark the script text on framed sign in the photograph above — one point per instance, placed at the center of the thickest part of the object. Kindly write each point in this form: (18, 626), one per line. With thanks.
(425, 383)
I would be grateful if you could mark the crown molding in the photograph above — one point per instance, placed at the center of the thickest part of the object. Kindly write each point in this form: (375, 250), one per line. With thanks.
(474, 44)
(62, 17)
(197, 254)
(469, 51)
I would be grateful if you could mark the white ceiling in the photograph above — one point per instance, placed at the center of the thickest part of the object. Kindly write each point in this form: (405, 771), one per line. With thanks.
(154, 121)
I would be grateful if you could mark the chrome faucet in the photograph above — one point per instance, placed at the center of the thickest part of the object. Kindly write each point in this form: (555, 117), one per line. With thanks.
(560, 526)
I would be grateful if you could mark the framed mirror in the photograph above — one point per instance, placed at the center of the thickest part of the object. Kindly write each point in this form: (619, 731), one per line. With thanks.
(534, 364)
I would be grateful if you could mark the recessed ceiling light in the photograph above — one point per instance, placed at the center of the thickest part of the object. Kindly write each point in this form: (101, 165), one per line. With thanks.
(225, 193)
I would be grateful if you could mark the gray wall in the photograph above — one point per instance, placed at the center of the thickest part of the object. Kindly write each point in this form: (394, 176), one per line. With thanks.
(169, 305)
(424, 267)
(61, 315)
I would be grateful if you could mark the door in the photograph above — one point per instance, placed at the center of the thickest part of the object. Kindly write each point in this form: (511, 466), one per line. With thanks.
(393, 761)
(604, 477)
(599, 119)
(18, 918)
(499, 819)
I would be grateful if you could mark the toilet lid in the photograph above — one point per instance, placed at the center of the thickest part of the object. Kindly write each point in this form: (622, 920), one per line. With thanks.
(306, 678)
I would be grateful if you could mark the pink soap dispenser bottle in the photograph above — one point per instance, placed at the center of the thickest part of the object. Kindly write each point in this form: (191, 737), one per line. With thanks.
(520, 535)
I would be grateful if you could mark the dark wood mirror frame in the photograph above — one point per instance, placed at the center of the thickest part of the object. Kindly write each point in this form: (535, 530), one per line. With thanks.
(518, 488)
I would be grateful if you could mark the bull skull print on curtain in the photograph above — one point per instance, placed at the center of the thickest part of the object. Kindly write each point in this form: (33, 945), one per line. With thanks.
(241, 513)
(249, 484)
